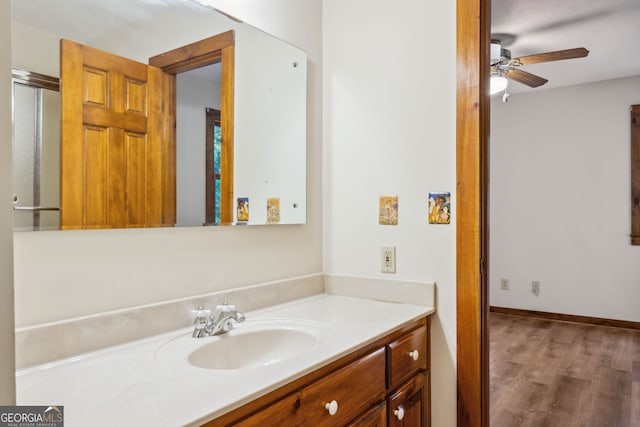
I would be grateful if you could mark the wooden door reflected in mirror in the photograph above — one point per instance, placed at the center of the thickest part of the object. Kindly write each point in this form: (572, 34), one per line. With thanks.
(118, 146)
(112, 151)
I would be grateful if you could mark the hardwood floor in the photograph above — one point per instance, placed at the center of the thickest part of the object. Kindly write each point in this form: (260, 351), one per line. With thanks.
(549, 373)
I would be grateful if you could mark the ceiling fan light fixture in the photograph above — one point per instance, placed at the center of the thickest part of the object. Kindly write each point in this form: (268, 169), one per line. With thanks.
(495, 52)
(497, 83)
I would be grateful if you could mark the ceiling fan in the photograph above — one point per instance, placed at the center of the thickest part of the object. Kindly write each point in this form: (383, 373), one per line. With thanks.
(504, 67)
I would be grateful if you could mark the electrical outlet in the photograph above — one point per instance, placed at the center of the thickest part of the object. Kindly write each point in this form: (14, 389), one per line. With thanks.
(504, 284)
(388, 259)
(535, 287)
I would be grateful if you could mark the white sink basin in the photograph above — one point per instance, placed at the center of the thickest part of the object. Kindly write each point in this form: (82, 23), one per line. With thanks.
(251, 344)
(244, 349)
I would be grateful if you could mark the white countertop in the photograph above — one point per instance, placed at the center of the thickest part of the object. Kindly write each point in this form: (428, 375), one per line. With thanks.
(130, 385)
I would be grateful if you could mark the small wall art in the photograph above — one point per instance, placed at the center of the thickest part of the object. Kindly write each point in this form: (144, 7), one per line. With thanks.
(388, 213)
(273, 210)
(440, 208)
(243, 209)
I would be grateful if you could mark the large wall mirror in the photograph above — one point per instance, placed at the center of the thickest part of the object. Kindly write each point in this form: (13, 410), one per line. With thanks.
(249, 100)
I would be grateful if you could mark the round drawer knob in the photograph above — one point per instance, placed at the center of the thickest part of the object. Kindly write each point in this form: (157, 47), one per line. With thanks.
(414, 355)
(399, 413)
(332, 407)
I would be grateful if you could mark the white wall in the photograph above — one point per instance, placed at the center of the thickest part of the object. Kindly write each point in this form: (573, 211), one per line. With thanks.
(560, 201)
(7, 358)
(193, 95)
(389, 128)
(35, 50)
(62, 274)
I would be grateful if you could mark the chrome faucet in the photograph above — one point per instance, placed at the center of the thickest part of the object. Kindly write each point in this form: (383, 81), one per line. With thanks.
(207, 325)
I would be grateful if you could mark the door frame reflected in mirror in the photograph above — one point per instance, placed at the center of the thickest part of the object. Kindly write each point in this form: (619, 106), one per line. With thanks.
(212, 50)
(213, 175)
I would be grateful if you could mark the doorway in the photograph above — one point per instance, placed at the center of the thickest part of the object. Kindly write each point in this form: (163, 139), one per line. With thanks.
(219, 49)
(472, 234)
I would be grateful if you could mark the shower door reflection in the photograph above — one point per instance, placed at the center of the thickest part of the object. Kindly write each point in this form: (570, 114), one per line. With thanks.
(36, 151)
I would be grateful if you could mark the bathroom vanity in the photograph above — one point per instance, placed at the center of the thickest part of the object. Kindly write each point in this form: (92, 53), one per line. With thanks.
(383, 383)
(324, 360)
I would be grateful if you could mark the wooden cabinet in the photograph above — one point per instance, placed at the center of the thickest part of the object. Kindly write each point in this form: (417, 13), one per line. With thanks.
(331, 401)
(374, 417)
(407, 356)
(408, 359)
(384, 383)
(406, 406)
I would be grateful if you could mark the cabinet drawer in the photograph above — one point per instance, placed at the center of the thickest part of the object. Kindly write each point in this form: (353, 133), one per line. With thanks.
(407, 405)
(407, 355)
(354, 387)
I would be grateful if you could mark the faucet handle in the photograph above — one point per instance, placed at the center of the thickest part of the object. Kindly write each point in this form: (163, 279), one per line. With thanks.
(201, 312)
(240, 317)
(201, 318)
(225, 307)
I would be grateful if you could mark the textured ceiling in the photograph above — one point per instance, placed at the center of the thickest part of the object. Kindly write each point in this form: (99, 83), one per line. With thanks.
(609, 29)
(91, 19)
(87, 21)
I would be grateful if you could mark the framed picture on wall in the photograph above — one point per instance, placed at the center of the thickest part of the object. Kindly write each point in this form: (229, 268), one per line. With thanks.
(439, 208)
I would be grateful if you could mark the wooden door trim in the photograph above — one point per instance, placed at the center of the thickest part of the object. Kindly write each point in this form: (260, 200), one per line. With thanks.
(71, 204)
(212, 50)
(573, 318)
(472, 130)
(169, 147)
(212, 119)
(195, 55)
(635, 174)
(228, 131)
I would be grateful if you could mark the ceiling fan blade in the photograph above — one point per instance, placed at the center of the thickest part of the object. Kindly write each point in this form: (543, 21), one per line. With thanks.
(558, 55)
(525, 78)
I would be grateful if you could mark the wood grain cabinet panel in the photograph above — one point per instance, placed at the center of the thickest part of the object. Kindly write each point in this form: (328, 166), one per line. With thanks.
(406, 405)
(407, 356)
(374, 417)
(354, 388)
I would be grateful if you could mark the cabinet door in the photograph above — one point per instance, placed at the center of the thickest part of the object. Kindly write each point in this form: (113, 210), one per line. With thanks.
(375, 417)
(407, 403)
